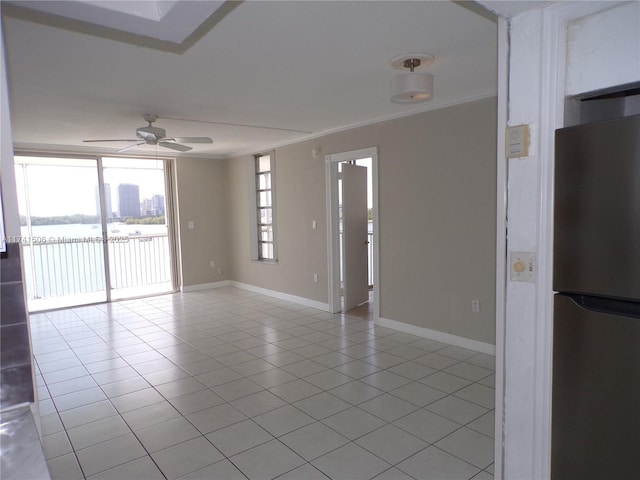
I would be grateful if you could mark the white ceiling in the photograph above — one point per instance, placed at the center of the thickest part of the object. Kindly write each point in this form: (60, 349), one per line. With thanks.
(165, 20)
(308, 66)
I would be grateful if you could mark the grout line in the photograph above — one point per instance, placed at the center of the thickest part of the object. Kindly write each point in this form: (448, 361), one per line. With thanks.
(366, 337)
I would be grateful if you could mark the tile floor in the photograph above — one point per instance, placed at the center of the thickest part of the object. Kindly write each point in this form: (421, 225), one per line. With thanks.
(228, 384)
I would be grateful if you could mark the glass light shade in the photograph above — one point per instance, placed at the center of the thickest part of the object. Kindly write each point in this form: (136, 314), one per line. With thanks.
(412, 87)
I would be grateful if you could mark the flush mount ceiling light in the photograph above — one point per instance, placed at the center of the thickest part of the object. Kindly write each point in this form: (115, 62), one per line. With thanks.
(412, 86)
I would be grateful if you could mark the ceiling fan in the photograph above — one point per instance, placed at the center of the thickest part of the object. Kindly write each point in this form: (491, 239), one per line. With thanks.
(151, 135)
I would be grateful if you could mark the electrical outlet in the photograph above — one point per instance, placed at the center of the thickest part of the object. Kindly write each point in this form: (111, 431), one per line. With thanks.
(475, 305)
(212, 264)
(315, 277)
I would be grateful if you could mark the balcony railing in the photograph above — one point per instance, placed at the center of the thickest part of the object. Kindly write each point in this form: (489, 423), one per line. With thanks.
(144, 260)
(75, 266)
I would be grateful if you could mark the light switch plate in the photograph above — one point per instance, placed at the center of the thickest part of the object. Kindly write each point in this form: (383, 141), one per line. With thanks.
(523, 267)
(517, 141)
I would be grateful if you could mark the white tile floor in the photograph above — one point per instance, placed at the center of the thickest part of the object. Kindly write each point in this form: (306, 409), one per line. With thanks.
(227, 384)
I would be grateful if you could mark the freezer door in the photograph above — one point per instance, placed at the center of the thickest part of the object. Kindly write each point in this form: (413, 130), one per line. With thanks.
(596, 394)
(597, 208)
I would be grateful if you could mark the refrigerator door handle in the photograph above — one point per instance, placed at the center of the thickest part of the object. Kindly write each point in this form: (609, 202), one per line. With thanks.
(610, 306)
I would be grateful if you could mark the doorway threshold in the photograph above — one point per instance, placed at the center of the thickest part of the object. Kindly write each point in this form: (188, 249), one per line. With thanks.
(142, 291)
(69, 301)
(65, 301)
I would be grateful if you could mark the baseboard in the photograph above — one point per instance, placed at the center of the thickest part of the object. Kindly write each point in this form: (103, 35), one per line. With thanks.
(204, 286)
(456, 340)
(282, 296)
(463, 342)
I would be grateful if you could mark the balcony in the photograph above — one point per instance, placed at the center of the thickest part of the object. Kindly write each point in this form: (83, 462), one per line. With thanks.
(65, 271)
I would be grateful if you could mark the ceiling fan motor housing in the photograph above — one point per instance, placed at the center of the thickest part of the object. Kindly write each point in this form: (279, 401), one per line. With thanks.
(151, 135)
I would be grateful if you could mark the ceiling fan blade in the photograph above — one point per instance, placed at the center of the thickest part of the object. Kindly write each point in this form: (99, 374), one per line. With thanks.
(191, 139)
(113, 140)
(130, 147)
(175, 146)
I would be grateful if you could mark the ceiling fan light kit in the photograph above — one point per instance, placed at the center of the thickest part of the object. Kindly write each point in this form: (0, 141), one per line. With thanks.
(151, 135)
(412, 86)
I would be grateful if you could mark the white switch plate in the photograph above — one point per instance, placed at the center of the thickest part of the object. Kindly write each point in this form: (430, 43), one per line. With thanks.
(191, 225)
(523, 267)
(517, 141)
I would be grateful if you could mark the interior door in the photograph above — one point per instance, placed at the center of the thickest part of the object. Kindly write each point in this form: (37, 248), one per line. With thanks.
(354, 235)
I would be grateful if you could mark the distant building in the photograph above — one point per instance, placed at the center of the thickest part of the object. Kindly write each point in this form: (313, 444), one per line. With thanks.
(152, 206)
(107, 201)
(128, 200)
(158, 204)
(146, 207)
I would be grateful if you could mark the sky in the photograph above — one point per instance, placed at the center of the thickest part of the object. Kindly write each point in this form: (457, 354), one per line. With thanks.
(70, 188)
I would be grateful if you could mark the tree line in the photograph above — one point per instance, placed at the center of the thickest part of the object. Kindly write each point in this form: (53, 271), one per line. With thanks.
(80, 218)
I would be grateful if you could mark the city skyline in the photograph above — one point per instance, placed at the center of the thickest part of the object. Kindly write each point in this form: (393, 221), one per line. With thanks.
(149, 206)
(65, 187)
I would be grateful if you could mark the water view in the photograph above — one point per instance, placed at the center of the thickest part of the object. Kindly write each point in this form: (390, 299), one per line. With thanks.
(62, 202)
(69, 260)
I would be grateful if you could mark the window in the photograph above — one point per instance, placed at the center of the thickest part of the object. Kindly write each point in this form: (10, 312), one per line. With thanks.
(98, 228)
(264, 249)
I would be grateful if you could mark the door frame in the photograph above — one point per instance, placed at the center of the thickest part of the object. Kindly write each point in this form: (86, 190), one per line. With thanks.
(170, 213)
(333, 232)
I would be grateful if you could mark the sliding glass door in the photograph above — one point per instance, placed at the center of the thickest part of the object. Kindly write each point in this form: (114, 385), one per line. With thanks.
(94, 229)
(61, 236)
(136, 226)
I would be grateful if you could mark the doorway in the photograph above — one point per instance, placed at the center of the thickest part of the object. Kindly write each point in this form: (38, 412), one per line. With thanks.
(94, 229)
(352, 210)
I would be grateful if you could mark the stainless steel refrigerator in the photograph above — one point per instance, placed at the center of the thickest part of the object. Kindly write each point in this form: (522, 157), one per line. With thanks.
(596, 332)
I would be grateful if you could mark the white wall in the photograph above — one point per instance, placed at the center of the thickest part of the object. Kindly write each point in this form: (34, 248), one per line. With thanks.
(7, 171)
(604, 49)
(548, 47)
